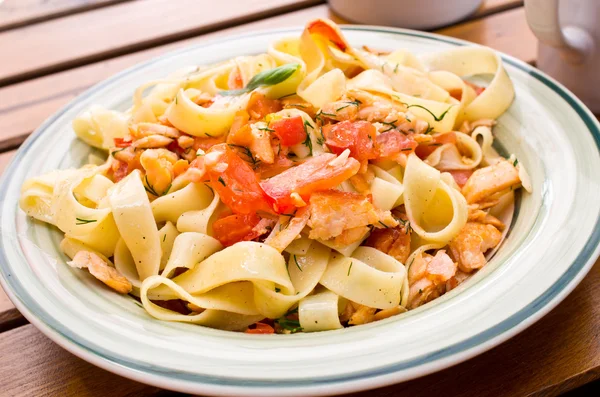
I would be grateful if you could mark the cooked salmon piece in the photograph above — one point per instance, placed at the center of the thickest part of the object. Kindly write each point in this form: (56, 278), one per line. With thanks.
(392, 241)
(473, 241)
(332, 212)
(491, 180)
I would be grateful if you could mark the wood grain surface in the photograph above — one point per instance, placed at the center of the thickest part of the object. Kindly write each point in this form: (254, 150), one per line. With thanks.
(15, 13)
(62, 47)
(52, 371)
(106, 32)
(25, 105)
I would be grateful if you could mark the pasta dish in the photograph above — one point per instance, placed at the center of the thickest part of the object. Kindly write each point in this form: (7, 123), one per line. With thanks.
(313, 187)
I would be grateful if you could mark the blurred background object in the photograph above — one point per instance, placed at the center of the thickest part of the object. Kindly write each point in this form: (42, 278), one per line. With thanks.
(410, 14)
(569, 35)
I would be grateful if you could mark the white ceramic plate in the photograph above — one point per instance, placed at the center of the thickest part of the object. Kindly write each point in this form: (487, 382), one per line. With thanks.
(552, 244)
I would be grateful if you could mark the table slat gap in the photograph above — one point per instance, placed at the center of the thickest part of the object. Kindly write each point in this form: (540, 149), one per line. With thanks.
(119, 30)
(11, 18)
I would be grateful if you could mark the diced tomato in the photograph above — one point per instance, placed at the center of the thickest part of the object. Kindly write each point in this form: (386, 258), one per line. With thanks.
(235, 81)
(206, 143)
(426, 149)
(261, 329)
(280, 164)
(210, 102)
(358, 136)
(461, 176)
(393, 142)
(329, 30)
(456, 93)
(236, 184)
(121, 142)
(290, 131)
(234, 228)
(311, 176)
(478, 89)
(241, 119)
(259, 106)
(120, 170)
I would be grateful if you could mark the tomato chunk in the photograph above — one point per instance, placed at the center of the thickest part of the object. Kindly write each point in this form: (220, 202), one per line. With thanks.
(261, 329)
(290, 131)
(461, 176)
(121, 142)
(426, 149)
(329, 30)
(478, 89)
(314, 175)
(393, 142)
(235, 80)
(259, 106)
(235, 181)
(234, 228)
(357, 136)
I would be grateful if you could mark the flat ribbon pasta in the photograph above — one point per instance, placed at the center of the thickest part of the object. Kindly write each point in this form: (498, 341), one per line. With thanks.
(369, 277)
(449, 157)
(195, 196)
(99, 127)
(134, 219)
(250, 266)
(189, 249)
(386, 189)
(436, 211)
(319, 312)
(497, 96)
(95, 225)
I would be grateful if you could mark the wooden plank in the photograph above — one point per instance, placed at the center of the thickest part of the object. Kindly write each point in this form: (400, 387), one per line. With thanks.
(507, 32)
(555, 355)
(106, 32)
(25, 105)
(15, 13)
(34, 366)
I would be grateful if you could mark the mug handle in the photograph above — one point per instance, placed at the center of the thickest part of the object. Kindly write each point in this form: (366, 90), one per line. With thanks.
(575, 44)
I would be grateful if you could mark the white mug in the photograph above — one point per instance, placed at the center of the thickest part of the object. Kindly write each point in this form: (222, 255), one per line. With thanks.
(569, 35)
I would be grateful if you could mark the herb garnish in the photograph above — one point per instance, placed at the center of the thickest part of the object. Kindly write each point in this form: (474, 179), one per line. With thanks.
(288, 324)
(164, 238)
(247, 153)
(297, 265)
(81, 221)
(515, 163)
(349, 268)
(307, 142)
(436, 118)
(384, 225)
(277, 289)
(149, 188)
(222, 181)
(266, 78)
(429, 129)
(356, 103)
(266, 129)
(285, 96)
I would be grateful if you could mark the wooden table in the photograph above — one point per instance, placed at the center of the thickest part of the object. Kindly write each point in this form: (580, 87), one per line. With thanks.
(52, 50)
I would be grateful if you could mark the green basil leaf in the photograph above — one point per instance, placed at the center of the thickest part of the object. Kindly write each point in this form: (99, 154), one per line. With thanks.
(266, 78)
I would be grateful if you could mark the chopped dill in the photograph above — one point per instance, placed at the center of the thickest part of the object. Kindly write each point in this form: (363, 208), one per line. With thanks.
(81, 221)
